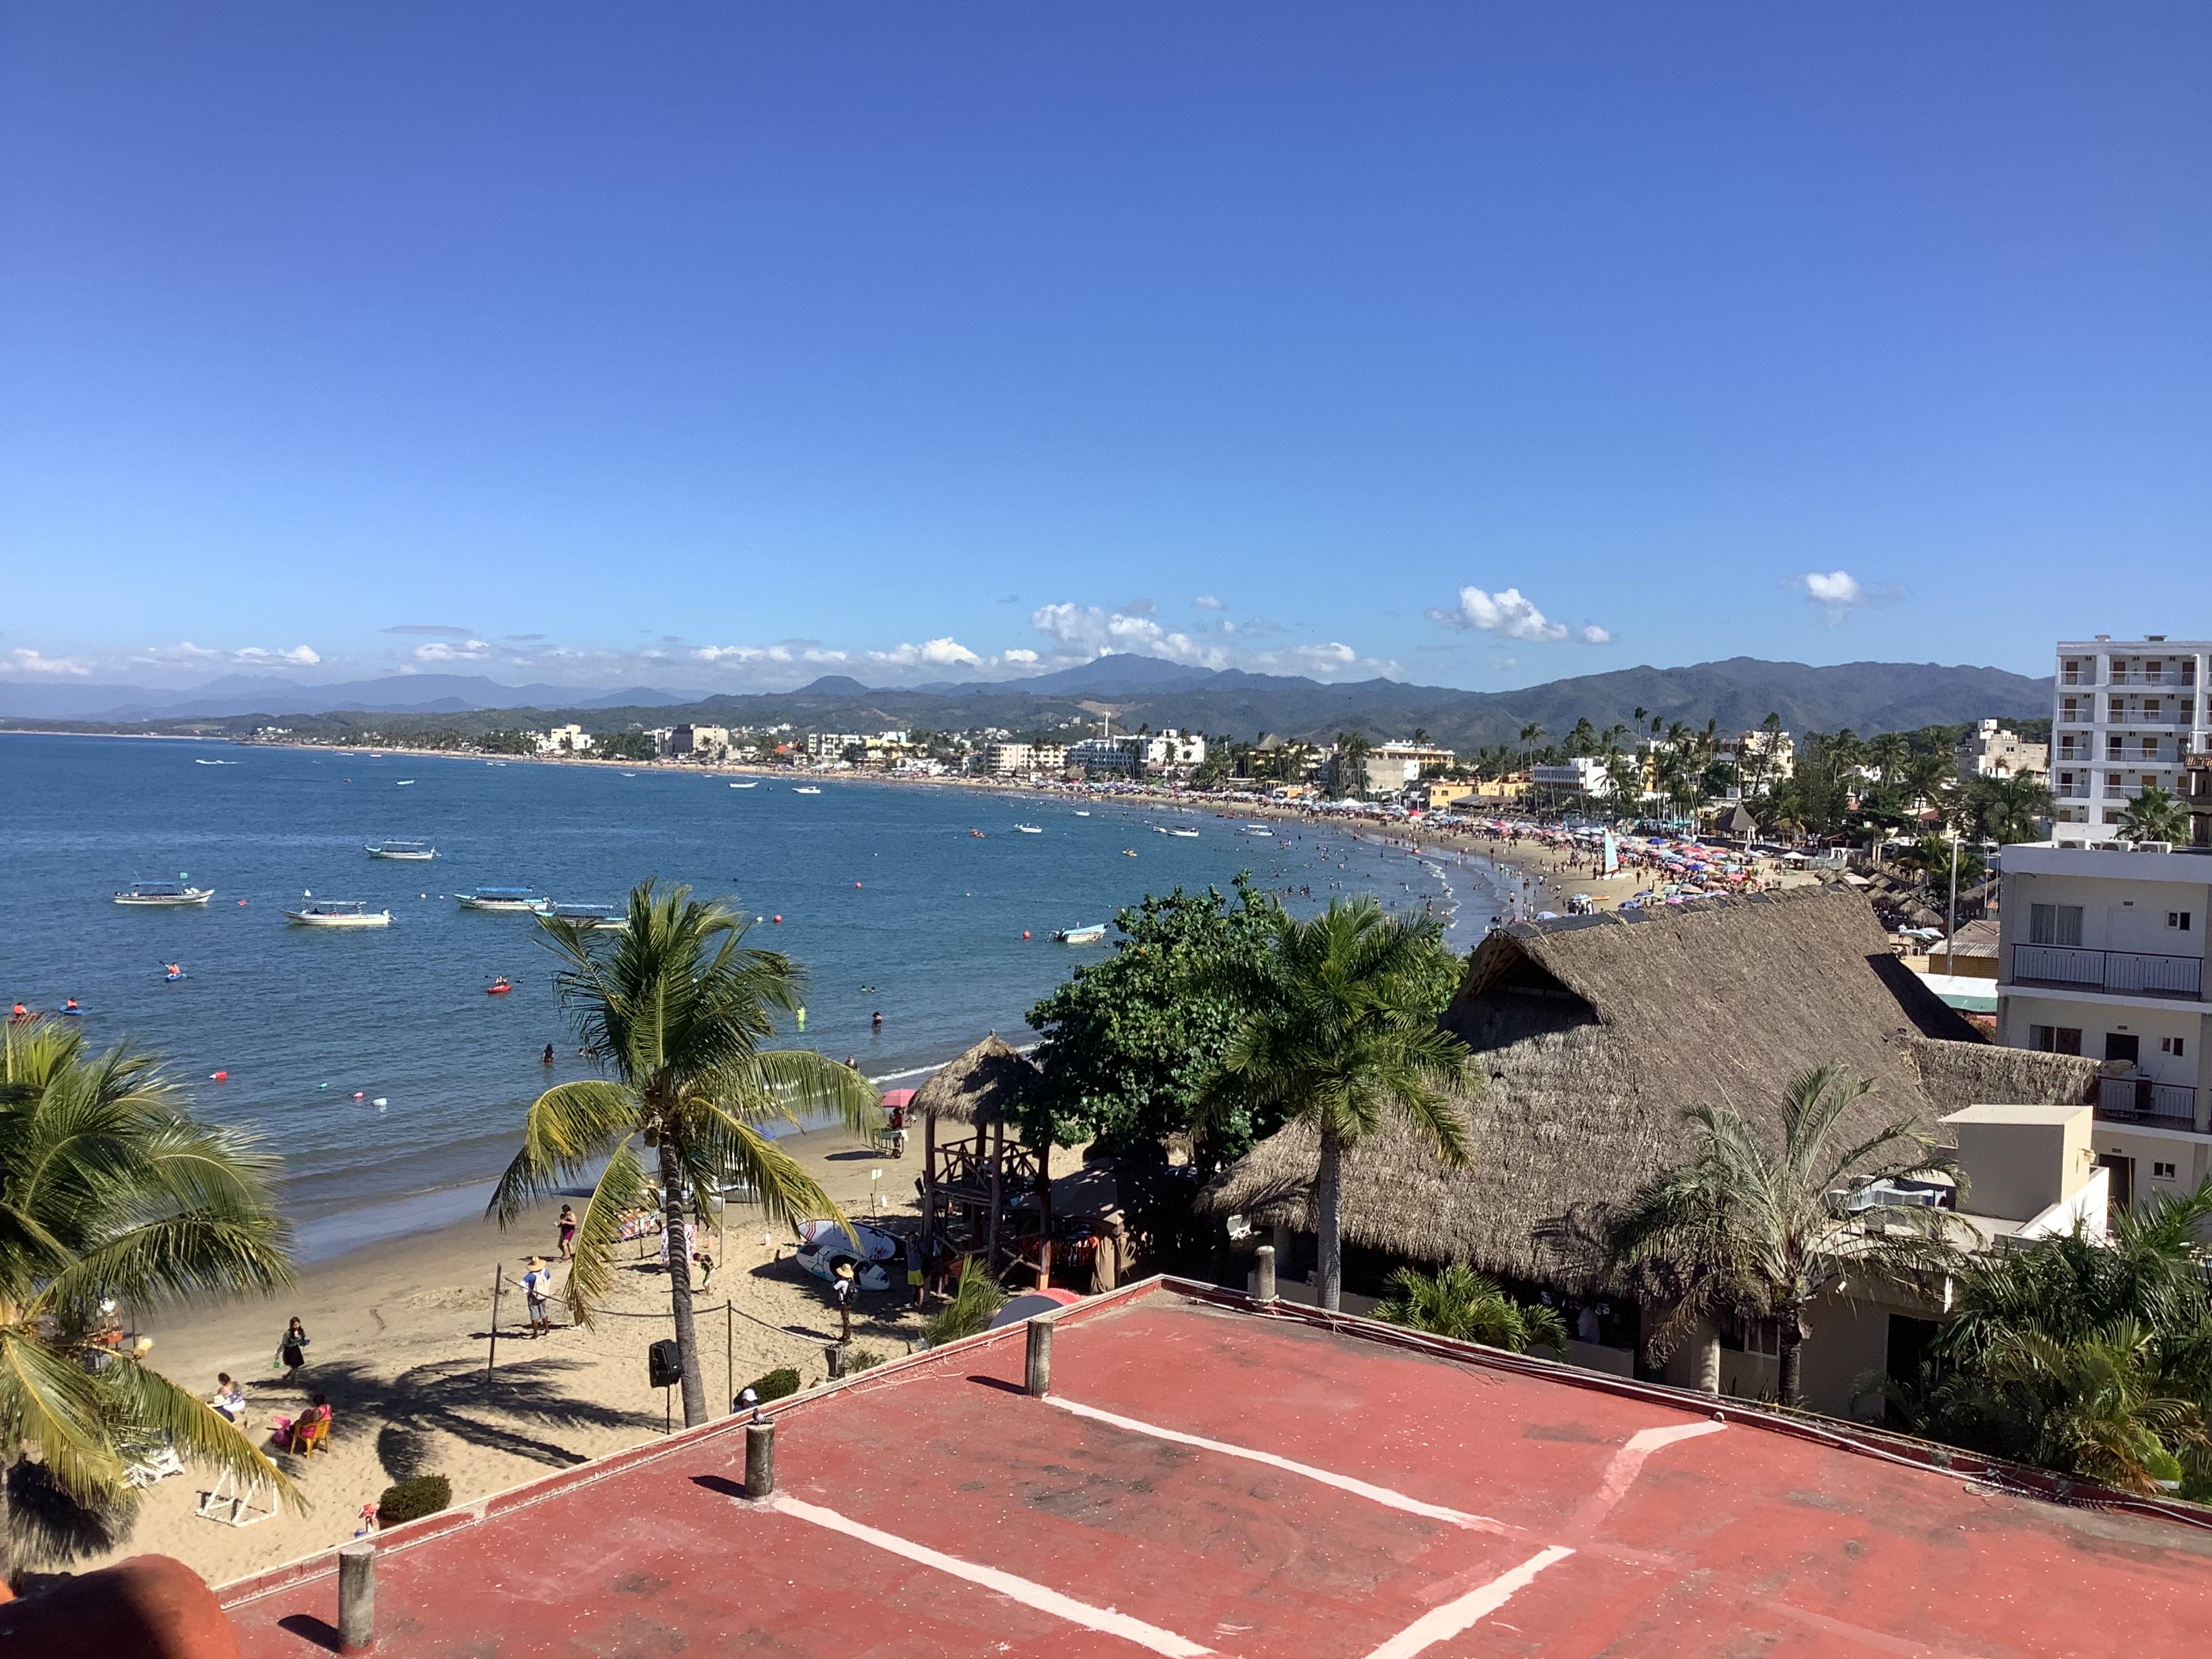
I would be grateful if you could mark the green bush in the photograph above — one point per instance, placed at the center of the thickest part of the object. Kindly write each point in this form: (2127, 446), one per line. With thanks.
(861, 1359)
(975, 1299)
(413, 1499)
(777, 1383)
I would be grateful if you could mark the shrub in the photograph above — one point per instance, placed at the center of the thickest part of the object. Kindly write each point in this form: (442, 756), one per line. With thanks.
(976, 1298)
(861, 1359)
(411, 1499)
(777, 1383)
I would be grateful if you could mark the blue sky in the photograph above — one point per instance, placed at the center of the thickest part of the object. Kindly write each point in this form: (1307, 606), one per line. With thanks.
(726, 345)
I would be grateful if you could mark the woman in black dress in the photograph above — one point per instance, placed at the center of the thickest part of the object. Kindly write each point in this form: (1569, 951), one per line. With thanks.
(292, 1352)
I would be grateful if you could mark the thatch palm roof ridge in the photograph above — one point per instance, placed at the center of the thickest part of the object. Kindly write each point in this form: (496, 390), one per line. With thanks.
(987, 1084)
(1593, 1034)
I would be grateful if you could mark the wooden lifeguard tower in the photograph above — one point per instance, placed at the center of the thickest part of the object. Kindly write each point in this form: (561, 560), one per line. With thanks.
(980, 1195)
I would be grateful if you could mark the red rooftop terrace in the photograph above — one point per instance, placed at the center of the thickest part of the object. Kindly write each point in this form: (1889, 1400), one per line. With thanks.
(1210, 1475)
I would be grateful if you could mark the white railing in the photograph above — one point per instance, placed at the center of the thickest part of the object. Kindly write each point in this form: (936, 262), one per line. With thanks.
(2124, 973)
(2139, 1100)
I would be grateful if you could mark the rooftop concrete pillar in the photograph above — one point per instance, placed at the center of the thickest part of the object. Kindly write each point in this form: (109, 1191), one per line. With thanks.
(760, 1458)
(356, 1596)
(1038, 1378)
(1264, 1273)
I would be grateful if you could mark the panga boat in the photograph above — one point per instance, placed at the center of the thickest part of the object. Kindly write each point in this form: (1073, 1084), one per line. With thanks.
(1080, 813)
(755, 784)
(806, 789)
(338, 913)
(1027, 830)
(1256, 830)
(1184, 835)
(1090, 935)
(512, 901)
(589, 915)
(166, 894)
(400, 849)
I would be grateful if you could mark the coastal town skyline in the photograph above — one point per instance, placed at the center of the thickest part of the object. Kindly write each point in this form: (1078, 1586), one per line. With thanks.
(1460, 347)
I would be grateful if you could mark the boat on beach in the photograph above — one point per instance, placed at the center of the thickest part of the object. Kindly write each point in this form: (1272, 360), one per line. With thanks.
(163, 894)
(416, 850)
(505, 901)
(589, 915)
(1090, 935)
(338, 913)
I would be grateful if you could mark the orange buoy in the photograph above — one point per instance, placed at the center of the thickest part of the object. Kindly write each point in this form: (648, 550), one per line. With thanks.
(1025, 933)
(218, 1077)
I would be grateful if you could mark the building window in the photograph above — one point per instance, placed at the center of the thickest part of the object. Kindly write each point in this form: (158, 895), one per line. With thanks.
(2179, 920)
(2177, 1047)
(2055, 1039)
(2055, 924)
(2160, 1171)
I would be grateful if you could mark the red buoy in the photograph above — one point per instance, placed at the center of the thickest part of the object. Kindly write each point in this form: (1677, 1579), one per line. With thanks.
(1025, 933)
(779, 921)
(218, 1077)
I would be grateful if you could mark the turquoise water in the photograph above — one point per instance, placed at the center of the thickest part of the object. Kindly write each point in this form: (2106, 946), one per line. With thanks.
(887, 901)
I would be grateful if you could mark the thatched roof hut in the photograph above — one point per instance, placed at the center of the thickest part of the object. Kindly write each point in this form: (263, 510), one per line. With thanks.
(1594, 1033)
(986, 1085)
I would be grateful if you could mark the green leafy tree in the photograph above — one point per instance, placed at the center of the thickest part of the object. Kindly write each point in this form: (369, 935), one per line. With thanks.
(1459, 1302)
(2154, 815)
(110, 1190)
(624, 746)
(1931, 858)
(2006, 810)
(1342, 1034)
(681, 1009)
(1131, 1041)
(1759, 1227)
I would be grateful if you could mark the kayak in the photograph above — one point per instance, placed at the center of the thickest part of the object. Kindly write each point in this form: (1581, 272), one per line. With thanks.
(498, 990)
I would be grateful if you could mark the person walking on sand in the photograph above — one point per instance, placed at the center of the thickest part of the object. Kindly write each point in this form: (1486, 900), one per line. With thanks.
(567, 1233)
(538, 1293)
(292, 1351)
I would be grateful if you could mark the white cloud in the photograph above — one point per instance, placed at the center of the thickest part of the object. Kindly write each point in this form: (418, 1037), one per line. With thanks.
(944, 651)
(300, 656)
(24, 661)
(1837, 592)
(1017, 658)
(1593, 634)
(454, 651)
(1507, 611)
(1208, 602)
(1084, 631)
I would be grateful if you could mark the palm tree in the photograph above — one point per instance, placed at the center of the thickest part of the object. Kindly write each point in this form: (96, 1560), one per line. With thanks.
(1888, 754)
(1763, 1230)
(1459, 1302)
(681, 1008)
(111, 1190)
(2154, 815)
(1625, 778)
(2008, 810)
(1342, 1033)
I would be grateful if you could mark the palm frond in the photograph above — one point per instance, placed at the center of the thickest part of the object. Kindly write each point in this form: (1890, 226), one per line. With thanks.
(619, 1190)
(200, 1434)
(49, 1401)
(567, 1128)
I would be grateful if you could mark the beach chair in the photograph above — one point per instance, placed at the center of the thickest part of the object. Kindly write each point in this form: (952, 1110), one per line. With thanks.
(147, 1462)
(310, 1436)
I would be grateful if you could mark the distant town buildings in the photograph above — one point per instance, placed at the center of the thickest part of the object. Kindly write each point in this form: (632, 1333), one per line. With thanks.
(2127, 714)
(700, 743)
(1582, 775)
(570, 739)
(1991, 751)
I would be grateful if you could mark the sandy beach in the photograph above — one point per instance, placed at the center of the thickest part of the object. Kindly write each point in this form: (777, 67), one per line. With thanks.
(400, 1339)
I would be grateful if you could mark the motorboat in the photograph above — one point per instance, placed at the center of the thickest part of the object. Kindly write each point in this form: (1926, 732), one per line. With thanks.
(416, 850)
(753, 783)
(589, 915)
(338, 913)
(1028, 829)
(1256, 830)
(506, 901)
(404, 783)
(1184, 835)
(1081, 813)
(163, 894)
(806, 789)
(1090, 935)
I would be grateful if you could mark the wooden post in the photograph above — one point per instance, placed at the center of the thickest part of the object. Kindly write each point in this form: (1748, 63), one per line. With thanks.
(1036, 1377)
(356, 1596)
(759, 1459)
(492, 1358)
(998, 1176)
(730, 1352)
(928, 1180)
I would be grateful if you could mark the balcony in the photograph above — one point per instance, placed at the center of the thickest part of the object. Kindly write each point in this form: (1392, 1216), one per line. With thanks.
(2124, 973)
(2139, 1100)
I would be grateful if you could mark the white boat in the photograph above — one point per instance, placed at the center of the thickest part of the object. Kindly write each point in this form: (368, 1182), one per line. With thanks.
(806, 789)
(416, 850)
(1256, 830)
(505, 901)
(824, 1244)
(753, 784)
(163, 894)
(338, 913)
(1080, 813)
(1027, 830)
(404, 783)
(874, 1243)
(590, 915)
(1090, 935)
(1184, 835)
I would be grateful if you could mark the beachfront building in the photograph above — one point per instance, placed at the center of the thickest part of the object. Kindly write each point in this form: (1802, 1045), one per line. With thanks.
(699, 743)
(1388, 768)
(2197, 796)
(1137, 754)
(2125, 714)
(1991, 751)
(1592, 1034)
(2101, 954)
(832, 745)
(571, 739)
(1579, 775)
(1025, 760)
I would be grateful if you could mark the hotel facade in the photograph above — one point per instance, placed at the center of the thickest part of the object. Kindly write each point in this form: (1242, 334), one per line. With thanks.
(2125, 713)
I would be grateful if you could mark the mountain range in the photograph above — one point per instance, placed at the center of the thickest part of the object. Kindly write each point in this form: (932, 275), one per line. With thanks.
(1738, 693)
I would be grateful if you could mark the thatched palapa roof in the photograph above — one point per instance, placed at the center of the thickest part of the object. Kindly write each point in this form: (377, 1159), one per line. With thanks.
(1594, 1033)
(986, 1085)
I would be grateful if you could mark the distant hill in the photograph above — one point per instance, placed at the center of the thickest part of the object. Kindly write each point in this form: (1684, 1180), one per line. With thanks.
(1740, 692)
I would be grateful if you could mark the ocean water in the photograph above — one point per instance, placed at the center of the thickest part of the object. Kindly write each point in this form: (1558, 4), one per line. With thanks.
(886, 900)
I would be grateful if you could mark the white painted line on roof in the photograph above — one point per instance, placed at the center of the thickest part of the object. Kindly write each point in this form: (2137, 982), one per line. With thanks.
(1620, 1474)
(1105, 1621)
(1373, 1493)
(1442, 1624)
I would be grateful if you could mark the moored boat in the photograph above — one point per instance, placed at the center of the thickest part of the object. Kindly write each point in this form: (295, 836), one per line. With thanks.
(509, 901)
(338, 913)
(417, 850)
(588, 915)
(1090, 935)
(1184, 835)
(167, 895)
(806, 789)
(1027, 830)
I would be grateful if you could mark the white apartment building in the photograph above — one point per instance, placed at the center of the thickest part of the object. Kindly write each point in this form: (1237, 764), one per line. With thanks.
(2126, 713)
(1991, 751)
(1581, 774)
(565, 740)
(1391, 766)
(1021, 760)
(832, 745)
(1138, 753)
(2101, 952)
(704, 743)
